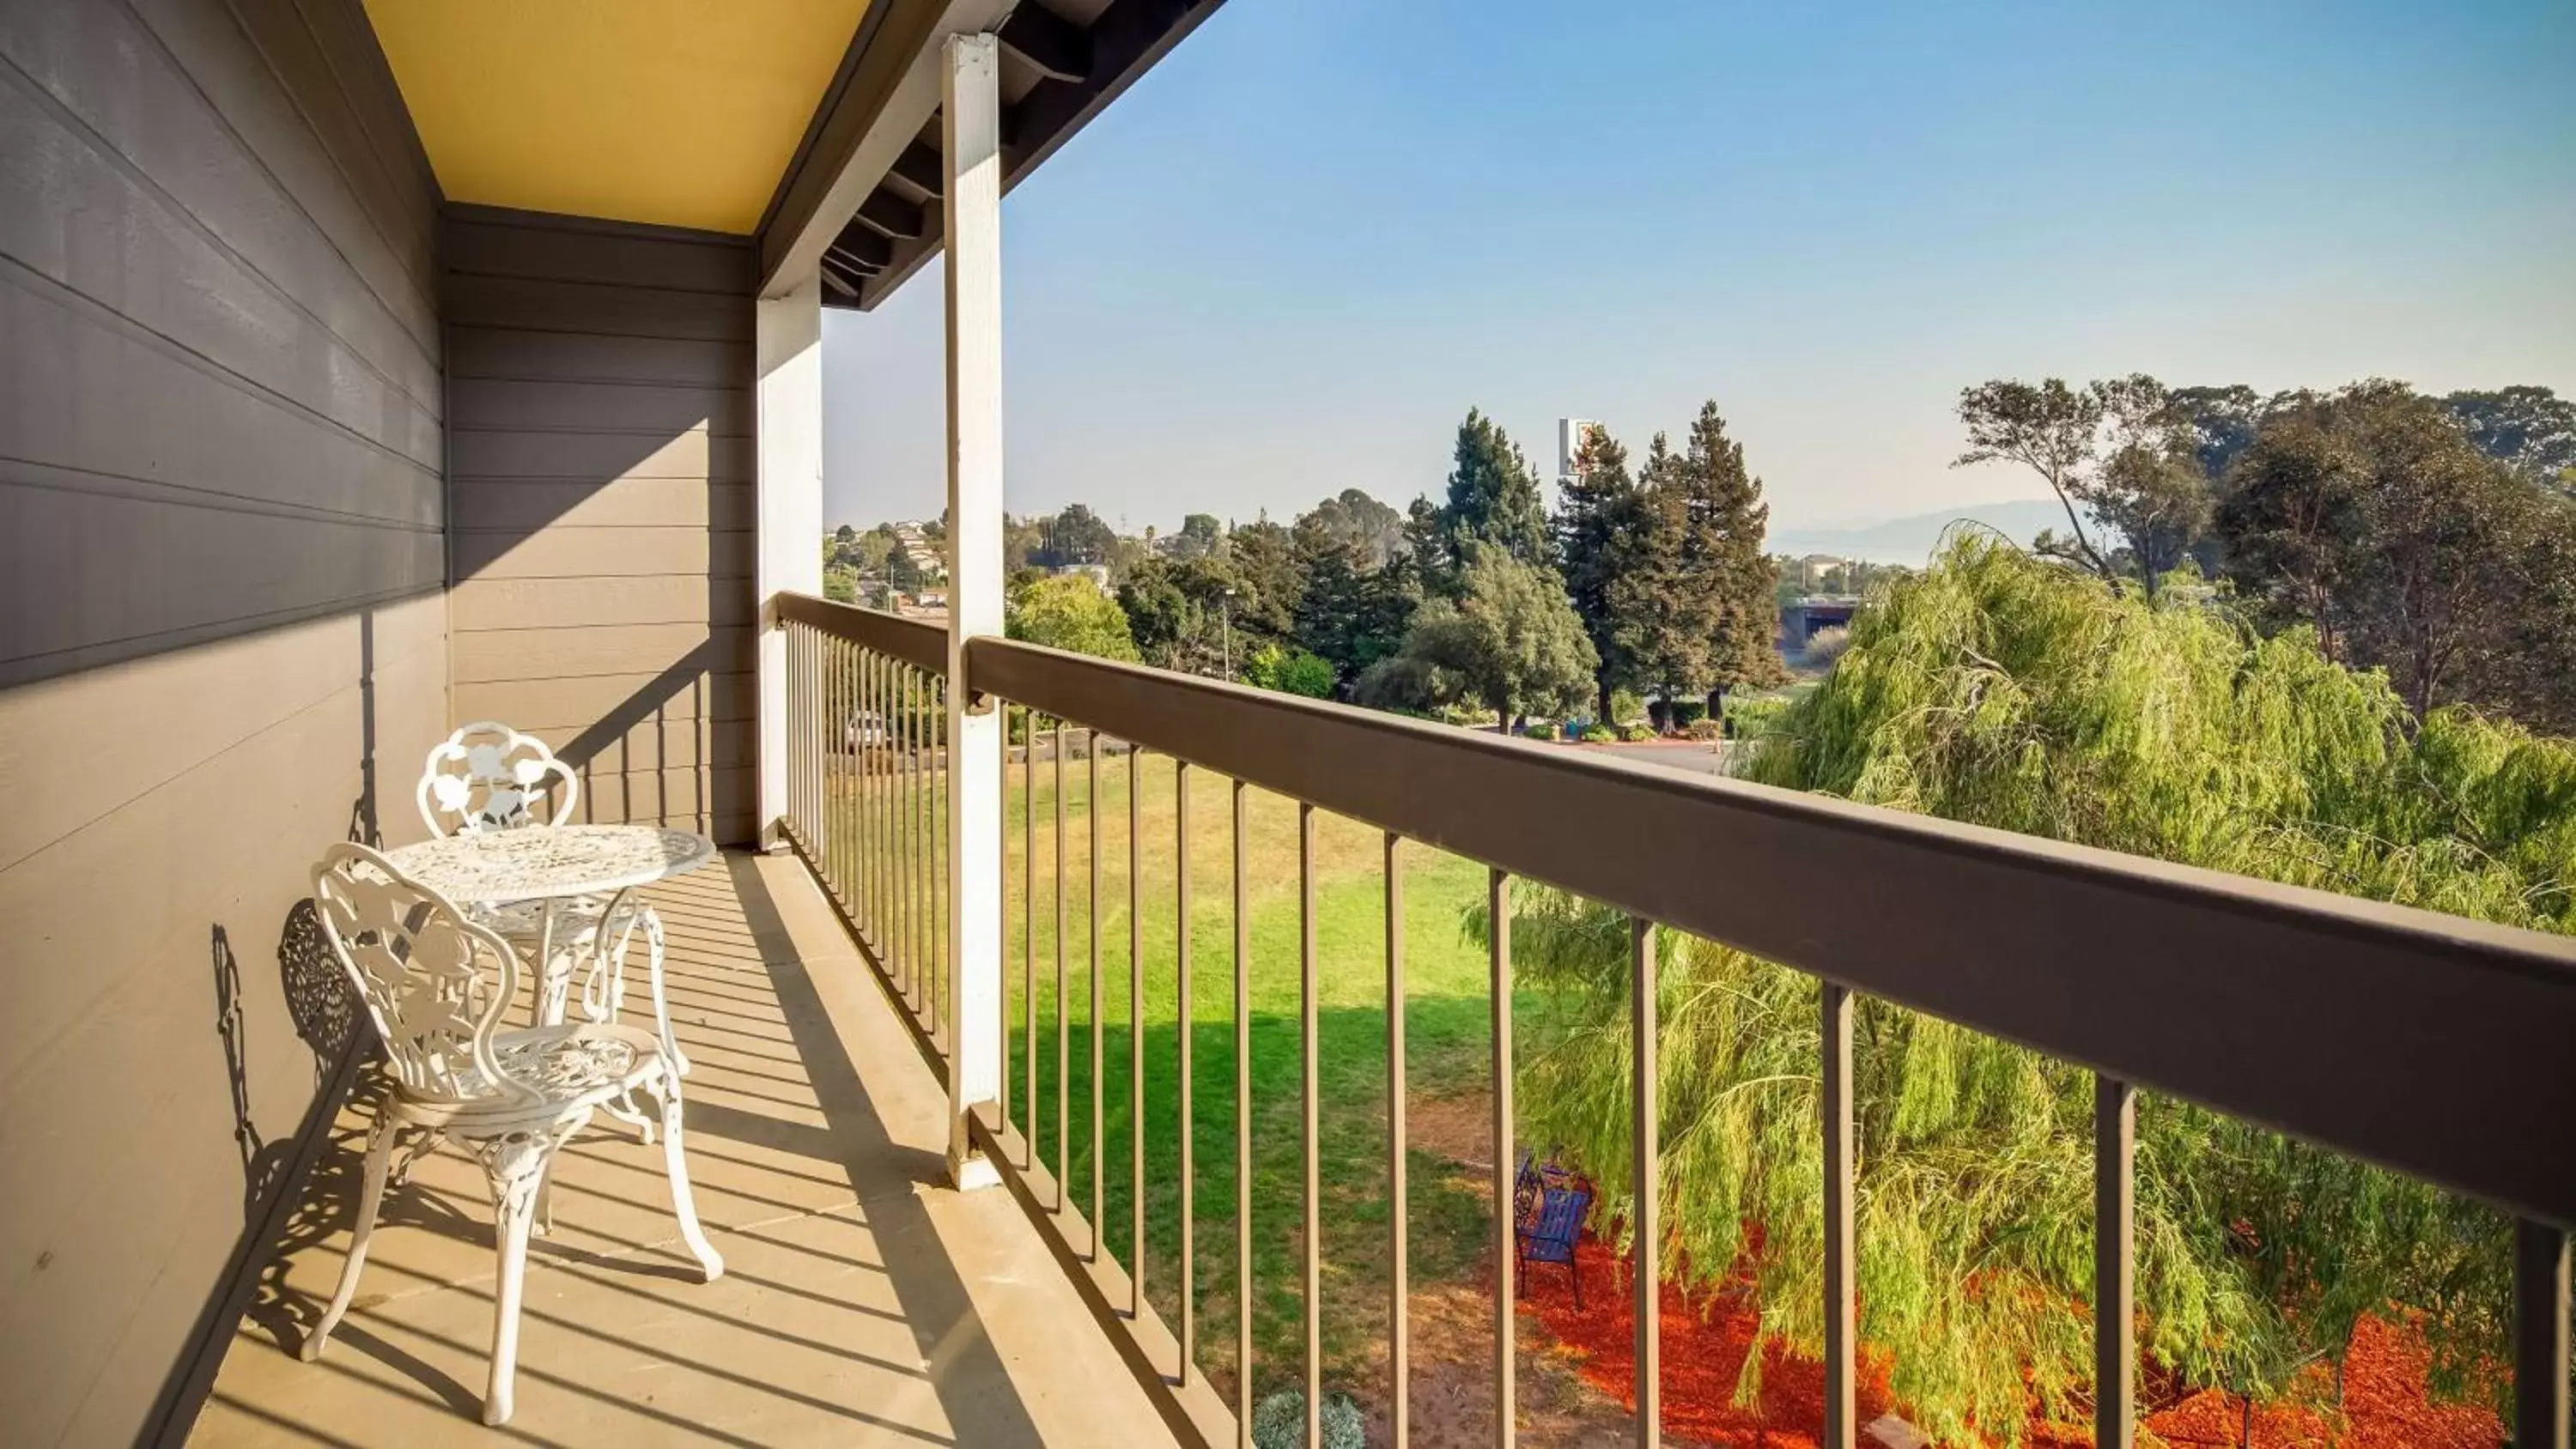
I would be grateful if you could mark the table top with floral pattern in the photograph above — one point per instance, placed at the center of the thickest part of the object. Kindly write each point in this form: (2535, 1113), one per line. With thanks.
(542, 861)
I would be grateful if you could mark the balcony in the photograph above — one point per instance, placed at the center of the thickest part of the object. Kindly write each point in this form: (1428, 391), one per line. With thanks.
(311, 458)
(862, 1303)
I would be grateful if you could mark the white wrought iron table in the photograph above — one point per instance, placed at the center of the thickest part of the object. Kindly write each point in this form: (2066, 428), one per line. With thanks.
(554, 865)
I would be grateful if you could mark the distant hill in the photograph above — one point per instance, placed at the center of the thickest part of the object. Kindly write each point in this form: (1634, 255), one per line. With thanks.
(1910, 540)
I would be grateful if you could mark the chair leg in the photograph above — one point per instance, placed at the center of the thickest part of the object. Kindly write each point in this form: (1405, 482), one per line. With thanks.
(661, 1003)
(380, 1151)
(516, 1167)
(684, 1204)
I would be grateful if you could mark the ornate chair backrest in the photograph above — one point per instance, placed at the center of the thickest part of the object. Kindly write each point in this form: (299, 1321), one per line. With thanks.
(488, 776)
(435, 983)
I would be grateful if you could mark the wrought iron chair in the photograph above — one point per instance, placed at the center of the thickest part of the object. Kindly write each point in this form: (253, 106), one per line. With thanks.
(1549, 1204)
(436, 983)
(488, 776)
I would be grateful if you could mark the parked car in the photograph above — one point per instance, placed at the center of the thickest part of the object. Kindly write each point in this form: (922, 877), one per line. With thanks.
(866, 730)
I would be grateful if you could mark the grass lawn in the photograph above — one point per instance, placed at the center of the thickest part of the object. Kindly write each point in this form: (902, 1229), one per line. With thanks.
(1446, 1028)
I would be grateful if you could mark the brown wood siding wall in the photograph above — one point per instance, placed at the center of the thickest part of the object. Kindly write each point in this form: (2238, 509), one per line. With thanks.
(222, 636)
(600, 408)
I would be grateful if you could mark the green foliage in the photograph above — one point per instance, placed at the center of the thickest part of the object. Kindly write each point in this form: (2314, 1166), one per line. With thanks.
(1636, 733)
(1279, 1422)
(1602, 536)
(1599, 734)
(1510, 642)
(1625, 706)
(2122, 452)
(1070, 613)
(1075, 536)
(2370, 517)
(1353, 611)
(1493, 498)
(1289, 670)
(2002, 690)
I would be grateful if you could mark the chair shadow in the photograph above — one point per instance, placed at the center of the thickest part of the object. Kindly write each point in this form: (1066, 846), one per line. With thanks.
(975, 1390)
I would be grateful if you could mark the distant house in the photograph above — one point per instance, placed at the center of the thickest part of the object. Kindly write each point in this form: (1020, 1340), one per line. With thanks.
(1097, 573)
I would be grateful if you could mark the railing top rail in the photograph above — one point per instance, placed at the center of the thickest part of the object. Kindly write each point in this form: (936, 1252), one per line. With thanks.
(2435, 1045)
(924, 646)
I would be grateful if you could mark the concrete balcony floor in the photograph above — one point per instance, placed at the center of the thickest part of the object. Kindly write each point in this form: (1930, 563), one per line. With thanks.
(863, 1302)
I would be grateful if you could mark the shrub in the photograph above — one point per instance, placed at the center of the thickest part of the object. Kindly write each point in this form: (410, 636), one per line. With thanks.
(1625, 706)
(1705, 728)
(1279, 1422)
(1636, 733)
(1599, 734)
(1825, 646)
(1289, 671)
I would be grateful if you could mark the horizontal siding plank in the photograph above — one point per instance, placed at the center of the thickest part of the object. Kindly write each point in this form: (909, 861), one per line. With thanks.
(503, 603)
(535, 249)
(609, 310)
(599, 456)
(620, 407)
(679, 744)
(82, 390)
(391, 254)
(347, 40)
(491, 504)
(577, 357)
(321, 91)
(74, 215)
(606, 708)
(689, 799)
(557, 553)
(501, 655)
(82, 570)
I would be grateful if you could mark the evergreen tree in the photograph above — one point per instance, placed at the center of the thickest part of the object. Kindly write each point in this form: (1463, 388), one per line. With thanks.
(1509, 642)
(1352, 613)
(1493, 497)
(1601, 537)
(1726, 517)
(1661, 605)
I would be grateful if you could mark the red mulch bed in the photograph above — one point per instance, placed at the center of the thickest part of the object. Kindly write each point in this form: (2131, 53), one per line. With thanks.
(1705, 1339)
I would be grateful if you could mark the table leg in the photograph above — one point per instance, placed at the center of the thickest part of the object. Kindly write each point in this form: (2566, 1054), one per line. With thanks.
(553, 981)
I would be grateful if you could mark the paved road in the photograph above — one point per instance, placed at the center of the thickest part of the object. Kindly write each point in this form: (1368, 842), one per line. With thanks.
(1685, 759)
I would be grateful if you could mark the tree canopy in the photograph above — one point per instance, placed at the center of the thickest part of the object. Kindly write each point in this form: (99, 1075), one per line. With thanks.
(1493, 497)
(2000, 689)
(1069, 613)
(1509, 642)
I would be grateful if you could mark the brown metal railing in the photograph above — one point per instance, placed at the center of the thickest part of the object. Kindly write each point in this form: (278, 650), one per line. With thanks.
(2153, 975)
(867, 780)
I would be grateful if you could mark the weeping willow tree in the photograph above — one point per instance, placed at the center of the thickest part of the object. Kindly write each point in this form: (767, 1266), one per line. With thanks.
(1999, 689)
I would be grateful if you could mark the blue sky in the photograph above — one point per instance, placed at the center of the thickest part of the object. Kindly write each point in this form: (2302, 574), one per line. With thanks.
(1289, 259)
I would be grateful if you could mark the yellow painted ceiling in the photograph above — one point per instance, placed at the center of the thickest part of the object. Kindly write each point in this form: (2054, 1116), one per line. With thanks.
(683, 112)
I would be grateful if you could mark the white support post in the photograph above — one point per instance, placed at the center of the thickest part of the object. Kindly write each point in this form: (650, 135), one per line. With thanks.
(788, 346)
(971, 132)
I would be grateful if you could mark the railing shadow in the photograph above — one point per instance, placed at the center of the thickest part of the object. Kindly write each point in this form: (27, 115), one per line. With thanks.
(974, 1388)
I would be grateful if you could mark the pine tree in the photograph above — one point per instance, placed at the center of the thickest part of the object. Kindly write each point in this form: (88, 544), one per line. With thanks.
(1661, 603)
(1600, 536)
(1494, 497)
(1725, 517)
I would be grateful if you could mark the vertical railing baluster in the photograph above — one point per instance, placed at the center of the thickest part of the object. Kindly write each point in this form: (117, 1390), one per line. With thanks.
(1841, 1315)
(1004, 910)
(1135, 1037)
(1309, 1120)
(943, 782)
(795, 724)
(836, 780)
(1398, 1198)
(2540, 1333)
(872, 750)
(1181, 1027)
(1063, 1024)
(923, 743)
(1242, 1125)
(1029, 929)
(2115, 1343)
(906, 824)
(1498, 916)
(1646, 1218)
(1091, 909)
